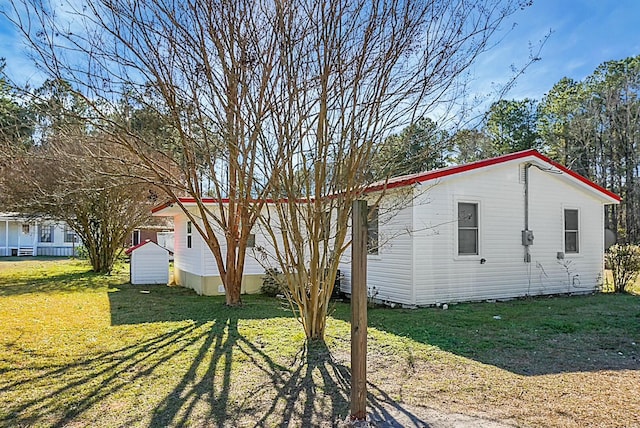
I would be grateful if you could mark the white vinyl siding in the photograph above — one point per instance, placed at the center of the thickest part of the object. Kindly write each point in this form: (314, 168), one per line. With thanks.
(198, 258)
(149, 264)
(390, 272)
(499, 271)
(18, 235)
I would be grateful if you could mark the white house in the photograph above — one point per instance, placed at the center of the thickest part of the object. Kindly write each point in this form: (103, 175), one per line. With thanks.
(23, 236)
(149, 263)
(511, 226)
(194, 265)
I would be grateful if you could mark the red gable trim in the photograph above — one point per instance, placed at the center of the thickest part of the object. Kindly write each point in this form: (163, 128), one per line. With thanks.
(580, 178)
(135, 247)
(187, 201)
(407, 180)
(190, 200)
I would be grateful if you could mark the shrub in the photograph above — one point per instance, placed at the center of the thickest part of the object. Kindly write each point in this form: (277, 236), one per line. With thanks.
(272, 282)
(624, 262)
(81, 252)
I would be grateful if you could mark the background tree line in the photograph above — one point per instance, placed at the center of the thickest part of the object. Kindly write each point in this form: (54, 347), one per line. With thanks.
(591, 126)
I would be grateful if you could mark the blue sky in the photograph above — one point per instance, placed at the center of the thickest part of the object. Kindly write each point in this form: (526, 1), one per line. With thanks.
(584, 34)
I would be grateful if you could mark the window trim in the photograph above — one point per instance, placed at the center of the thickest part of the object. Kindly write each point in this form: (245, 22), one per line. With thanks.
(189, 234)
(135, 237)
(42, 228)
(456, 229)
(70, 232)
(565, 230)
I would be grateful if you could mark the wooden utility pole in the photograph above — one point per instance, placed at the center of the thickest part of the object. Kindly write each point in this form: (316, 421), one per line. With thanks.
(359, 311)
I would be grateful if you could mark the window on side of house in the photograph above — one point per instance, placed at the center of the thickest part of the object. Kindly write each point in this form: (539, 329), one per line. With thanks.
(46, 233)
(26, 229)
(135, 237)
(373, 232)
(189, 234)
(69, 235)
(571, 231)
(468, 237)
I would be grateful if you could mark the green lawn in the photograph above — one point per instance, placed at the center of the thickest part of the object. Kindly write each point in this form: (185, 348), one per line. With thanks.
(79, 349)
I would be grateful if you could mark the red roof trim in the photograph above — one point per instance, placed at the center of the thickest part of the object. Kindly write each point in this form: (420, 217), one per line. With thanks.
(135, 247)
(408, 180)
(580, 178)
(186, 201)
(189, 200)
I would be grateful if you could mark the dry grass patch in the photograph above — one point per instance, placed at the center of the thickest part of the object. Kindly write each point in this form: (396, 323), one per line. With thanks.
(77, 349)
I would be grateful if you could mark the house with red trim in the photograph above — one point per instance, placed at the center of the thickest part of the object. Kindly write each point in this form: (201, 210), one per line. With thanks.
(194, 265)
(515, 225)
(511, 226)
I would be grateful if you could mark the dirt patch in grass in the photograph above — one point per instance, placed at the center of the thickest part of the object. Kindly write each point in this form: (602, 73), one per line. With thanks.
(78, 349)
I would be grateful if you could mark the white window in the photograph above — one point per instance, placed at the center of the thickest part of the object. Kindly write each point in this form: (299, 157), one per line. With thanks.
(468, 236)
(69, 234)
(372, 231)
(571, 231)
(189, 234)
(46, 233)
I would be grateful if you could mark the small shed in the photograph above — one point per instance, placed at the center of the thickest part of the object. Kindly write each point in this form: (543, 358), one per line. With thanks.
(149, 263)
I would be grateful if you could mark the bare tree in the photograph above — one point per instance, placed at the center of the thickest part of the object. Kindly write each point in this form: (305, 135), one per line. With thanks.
(61, 176)
(352, 73)
(205, 70)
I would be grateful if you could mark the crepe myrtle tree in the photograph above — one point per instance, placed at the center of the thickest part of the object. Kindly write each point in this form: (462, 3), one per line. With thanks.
(206, 74)
(351, 74)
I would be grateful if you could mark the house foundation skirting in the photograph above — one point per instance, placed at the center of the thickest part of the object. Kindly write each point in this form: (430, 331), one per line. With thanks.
(212, 285)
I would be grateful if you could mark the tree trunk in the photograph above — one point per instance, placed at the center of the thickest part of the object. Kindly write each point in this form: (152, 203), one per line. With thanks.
(233, 287)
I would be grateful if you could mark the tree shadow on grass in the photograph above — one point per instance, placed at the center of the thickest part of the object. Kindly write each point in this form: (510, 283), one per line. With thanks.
(136, 304)
(209, 372)
(59, 393)
(529, 337)
(314, 391)
(63, 282)
(313, 387)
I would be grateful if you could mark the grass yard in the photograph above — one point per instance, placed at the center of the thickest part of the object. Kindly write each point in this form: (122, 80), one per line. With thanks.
(78, 349)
